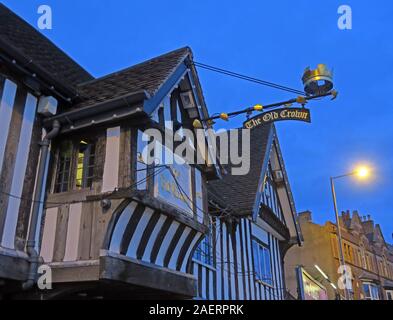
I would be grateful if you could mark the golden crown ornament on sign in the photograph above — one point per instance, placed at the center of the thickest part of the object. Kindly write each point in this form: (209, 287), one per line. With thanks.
(318, 81)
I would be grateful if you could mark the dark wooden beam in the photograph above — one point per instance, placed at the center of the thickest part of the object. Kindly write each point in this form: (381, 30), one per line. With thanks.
(147, 275)
(13, 267)
(272, 220)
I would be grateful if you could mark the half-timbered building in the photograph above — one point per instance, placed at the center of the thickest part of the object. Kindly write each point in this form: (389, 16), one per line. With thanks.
(253, 223)
(80, 198)
(35, 77)
(104, 220)
(111, 220)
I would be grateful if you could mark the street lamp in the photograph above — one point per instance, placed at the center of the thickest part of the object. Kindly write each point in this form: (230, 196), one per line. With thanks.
(361, 172)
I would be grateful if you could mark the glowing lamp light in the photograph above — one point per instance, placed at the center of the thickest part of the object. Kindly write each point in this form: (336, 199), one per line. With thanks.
(197, 124)
(258, 107)
(362, 172)
(224, 116)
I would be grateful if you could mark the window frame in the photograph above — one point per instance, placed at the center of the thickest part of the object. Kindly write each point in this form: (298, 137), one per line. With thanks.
(256, 247)
(87, 180)
(60, 168)
(159, 115)
(204, 252)
(372, 289)
(271, 198)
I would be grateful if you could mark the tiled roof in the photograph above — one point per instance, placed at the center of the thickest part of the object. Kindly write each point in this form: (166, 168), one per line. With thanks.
(239, 191)
(148, 76)
(17, 35)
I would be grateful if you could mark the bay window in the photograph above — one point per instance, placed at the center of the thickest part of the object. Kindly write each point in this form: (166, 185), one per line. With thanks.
(175, 181)
(172, 176)
(370, 291)
(174, 184)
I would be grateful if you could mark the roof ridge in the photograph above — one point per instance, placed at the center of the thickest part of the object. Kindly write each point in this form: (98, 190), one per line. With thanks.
(186, 48)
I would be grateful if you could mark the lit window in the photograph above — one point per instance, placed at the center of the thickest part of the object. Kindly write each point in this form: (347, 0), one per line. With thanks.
(82, 168)
(262, 263)
(85, 165)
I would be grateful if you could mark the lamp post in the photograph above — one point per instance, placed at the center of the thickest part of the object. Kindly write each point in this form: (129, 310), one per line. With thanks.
(361, 172)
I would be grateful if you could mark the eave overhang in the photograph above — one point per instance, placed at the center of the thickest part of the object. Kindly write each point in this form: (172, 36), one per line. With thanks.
(104, 112)
(265, 162)
(23, 65)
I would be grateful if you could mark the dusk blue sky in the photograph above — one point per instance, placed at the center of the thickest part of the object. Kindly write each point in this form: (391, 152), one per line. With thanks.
(275, 41)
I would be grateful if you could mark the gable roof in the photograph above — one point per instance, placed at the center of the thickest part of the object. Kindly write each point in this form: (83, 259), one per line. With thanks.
(377, 235)
(28, 47)
(147, 76)
(355, 222)
(134, 89)
(21, 41)
(239, 191)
